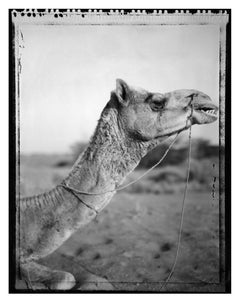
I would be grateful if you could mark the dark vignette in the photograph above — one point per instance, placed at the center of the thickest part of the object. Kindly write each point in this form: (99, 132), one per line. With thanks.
(228, 160)
(12, 156)
(225, 222)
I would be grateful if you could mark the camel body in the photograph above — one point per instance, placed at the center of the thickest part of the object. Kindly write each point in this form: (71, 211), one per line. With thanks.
(133, 122)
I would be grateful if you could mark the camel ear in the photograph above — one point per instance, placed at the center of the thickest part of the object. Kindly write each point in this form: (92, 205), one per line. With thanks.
(122, 92)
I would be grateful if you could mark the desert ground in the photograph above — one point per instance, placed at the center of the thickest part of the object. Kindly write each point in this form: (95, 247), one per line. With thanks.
(132, 243)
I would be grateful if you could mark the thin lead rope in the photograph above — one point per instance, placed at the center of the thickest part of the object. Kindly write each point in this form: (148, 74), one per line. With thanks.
(127, 185)
(86, 204)
(182, 213)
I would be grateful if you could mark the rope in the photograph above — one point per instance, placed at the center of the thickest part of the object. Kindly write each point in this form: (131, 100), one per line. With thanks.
(182, 214)
(74, 191)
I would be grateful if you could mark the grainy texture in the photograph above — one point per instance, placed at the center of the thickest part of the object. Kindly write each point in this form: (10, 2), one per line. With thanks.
(122, 138)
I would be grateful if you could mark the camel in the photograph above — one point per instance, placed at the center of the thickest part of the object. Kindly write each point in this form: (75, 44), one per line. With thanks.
(133, 122)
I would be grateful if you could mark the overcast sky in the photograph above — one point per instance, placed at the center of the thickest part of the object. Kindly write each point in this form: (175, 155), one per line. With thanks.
(69, 71)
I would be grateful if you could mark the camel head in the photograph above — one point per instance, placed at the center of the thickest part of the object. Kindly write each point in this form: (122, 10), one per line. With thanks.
(146, 115)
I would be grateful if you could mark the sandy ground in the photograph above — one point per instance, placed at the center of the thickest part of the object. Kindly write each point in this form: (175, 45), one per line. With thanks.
(132, 243)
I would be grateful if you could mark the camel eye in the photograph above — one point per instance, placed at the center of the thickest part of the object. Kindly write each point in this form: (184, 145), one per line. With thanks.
(157, 104)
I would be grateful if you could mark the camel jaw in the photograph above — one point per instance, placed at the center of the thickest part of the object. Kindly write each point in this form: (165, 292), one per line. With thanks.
(204, 113)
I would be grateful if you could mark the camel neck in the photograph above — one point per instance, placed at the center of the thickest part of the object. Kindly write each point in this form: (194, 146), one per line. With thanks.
(108, 159)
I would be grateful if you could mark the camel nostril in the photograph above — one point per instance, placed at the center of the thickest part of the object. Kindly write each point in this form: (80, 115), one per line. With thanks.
(192, 96)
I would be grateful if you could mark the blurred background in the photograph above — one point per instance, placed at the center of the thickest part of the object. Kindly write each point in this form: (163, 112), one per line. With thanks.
(66, 79)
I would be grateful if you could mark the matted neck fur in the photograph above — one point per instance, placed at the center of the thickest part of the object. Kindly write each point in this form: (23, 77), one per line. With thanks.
(133, 122)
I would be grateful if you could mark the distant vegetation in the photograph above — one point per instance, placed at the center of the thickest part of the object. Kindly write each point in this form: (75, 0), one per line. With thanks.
(201, 148)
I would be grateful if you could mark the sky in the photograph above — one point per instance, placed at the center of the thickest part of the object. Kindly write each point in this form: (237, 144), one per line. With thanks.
(69, 71)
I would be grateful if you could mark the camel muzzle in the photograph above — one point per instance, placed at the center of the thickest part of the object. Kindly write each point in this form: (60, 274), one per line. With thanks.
(204, 110)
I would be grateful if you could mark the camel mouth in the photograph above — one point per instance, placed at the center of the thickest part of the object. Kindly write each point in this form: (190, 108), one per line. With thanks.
(205, 113)
(208, 111)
